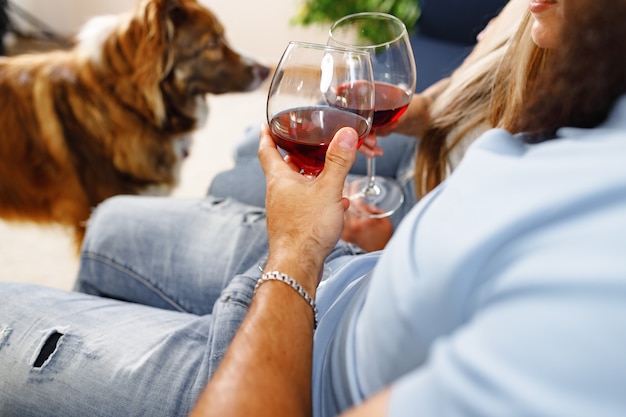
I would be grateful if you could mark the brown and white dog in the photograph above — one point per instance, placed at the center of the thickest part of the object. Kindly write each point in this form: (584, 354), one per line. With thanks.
(112, 115)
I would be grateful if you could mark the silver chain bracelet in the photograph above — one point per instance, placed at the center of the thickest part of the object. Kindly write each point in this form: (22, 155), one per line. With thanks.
(279, 276)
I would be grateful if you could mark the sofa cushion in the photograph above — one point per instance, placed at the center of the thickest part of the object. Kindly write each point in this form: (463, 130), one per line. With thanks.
(445, 34)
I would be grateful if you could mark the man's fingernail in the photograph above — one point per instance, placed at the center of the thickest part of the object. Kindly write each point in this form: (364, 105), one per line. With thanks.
(348, 140)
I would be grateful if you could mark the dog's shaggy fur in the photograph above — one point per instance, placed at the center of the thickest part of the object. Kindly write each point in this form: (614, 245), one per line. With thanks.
(111, 116)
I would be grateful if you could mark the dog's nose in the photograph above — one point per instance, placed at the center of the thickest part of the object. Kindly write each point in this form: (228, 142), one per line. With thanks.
(261, 71)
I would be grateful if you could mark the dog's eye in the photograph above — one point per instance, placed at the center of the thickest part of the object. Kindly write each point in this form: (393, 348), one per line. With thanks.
(212, 44)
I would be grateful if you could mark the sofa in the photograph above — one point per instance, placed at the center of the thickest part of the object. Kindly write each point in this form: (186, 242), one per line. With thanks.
(445, 34)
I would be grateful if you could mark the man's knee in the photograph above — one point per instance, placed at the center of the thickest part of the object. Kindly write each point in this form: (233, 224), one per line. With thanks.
(108, 220)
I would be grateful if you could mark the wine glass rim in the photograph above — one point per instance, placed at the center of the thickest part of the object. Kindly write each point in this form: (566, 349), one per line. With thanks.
(326, 47)
(387, 16)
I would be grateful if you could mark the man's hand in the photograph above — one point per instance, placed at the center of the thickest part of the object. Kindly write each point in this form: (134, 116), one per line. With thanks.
(305, 215)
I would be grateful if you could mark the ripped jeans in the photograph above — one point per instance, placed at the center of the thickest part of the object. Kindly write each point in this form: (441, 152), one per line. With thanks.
(163, 286)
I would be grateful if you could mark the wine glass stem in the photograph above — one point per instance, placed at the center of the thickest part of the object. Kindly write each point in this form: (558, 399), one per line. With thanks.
(371, 172)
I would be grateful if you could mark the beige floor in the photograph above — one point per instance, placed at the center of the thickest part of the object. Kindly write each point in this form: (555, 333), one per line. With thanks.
(33, 254)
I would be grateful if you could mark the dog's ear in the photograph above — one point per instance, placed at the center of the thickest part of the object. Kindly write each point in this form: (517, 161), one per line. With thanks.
(176, 13)
(152, 30)
(174, 17)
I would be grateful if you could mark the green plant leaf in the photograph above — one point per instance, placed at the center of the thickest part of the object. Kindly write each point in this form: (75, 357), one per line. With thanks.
(327, 11)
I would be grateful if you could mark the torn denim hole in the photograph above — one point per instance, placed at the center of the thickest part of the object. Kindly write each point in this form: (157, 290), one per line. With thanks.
(5, 332)
(48, 347)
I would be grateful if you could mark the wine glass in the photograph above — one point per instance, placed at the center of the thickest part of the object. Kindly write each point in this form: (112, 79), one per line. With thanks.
(386, 39)
(316, 90)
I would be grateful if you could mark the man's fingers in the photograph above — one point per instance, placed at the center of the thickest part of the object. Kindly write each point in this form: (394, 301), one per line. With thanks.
(268, 152)
(341, 154)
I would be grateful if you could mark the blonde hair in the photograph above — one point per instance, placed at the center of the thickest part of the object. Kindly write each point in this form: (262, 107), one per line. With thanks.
(486, 91)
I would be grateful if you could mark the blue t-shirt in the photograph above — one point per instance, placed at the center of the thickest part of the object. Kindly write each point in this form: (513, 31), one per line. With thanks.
(502, 293)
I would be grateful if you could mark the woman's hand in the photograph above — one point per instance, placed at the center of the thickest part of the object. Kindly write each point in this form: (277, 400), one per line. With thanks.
(370, 147)
(369, 234)
(305, 215)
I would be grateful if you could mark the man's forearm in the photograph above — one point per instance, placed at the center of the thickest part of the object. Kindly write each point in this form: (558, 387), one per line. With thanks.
(267, 369)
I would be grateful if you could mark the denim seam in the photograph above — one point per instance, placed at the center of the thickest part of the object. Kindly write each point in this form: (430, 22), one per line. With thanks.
(133, 275)
(239, 296)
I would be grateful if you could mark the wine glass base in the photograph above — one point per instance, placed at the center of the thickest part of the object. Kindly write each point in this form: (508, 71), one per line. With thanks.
(373, 199)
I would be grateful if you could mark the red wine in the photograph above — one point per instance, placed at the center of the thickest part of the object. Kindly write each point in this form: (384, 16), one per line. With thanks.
(305, 133)
(390, 103)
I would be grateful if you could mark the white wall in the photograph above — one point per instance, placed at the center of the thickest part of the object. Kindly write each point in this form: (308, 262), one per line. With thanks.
(260, 28)
(67, 16)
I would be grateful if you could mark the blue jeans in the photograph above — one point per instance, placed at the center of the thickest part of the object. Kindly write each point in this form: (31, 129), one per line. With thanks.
(176, 254)
(71, 354)
(165, 284)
